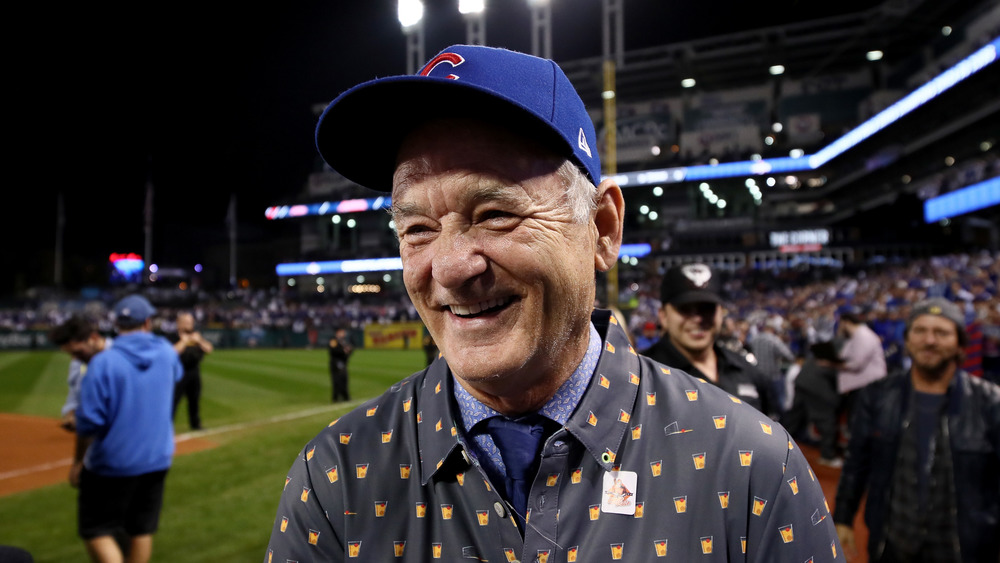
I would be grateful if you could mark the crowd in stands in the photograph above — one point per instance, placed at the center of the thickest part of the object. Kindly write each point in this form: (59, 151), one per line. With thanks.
(807, 300)
(230, 309)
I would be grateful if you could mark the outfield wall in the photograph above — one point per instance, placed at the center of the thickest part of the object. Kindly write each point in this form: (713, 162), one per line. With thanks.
(396, 336)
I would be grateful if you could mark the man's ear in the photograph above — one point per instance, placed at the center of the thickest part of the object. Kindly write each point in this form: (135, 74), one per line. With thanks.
(608, 219)
(661, 315)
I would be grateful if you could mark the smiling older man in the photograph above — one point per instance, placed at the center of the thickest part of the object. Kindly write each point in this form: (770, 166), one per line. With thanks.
(539, 435)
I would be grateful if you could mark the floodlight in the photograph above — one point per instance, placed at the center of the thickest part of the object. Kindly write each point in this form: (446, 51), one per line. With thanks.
(471, 6)
(410, 12)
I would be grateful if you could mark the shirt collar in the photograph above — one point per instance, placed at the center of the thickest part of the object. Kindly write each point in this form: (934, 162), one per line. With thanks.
(598, 420)
(558, 408)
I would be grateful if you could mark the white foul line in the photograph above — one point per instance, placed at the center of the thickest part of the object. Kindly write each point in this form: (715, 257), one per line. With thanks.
(189, 435)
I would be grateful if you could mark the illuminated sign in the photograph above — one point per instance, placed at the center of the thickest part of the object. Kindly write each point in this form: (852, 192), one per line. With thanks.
(327, 208)
(126, 267)
(965, 200)
(809, 240)
(339, 266)
(795, 248)
(635, 250)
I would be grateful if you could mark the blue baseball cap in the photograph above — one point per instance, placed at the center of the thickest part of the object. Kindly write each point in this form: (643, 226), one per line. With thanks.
(360, 132)
(134, 308)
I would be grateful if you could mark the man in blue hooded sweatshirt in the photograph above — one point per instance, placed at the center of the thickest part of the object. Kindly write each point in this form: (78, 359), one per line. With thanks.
(125, 427)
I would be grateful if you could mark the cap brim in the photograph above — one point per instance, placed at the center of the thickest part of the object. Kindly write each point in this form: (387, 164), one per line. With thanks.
(695, 296)
(360, 132)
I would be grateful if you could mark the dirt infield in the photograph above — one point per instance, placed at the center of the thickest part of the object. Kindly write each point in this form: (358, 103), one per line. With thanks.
(37, 452)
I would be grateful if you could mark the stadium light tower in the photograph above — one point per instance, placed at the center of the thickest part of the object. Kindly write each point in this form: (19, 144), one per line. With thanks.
(474, 12)
(541, 28)
(411, 18)
(613, 32)
(614, 54)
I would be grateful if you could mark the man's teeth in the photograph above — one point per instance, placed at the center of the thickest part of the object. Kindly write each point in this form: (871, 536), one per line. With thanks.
(465, 310)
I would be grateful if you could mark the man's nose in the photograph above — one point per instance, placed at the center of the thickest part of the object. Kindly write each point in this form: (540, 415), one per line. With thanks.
(458, 258)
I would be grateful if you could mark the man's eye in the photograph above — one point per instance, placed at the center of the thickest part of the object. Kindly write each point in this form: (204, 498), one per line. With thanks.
(496, 215)
(414, 231)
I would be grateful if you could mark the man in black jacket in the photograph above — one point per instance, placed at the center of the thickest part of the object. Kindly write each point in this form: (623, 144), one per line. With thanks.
(691, 315)
(925, 445)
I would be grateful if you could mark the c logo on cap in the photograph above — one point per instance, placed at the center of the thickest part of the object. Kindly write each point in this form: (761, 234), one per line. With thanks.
(454, 59)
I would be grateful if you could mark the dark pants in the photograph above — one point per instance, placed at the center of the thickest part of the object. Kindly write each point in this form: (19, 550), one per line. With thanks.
(822, 413)
(11, 554)
(891, 555)
(189, 387)
(338, 379)
(106, 505)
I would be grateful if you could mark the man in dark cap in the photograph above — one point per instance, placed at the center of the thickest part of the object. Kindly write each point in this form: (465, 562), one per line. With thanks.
(538, 433)
(691, 314)
(925, 446)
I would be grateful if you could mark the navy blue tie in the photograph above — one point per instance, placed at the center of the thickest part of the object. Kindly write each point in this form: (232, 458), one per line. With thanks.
(519, 442)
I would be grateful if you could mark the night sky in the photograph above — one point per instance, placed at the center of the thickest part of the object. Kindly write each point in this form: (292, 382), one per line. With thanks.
(213, 98)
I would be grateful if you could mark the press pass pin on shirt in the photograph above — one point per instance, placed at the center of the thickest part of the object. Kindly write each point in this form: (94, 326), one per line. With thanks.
(619, 492)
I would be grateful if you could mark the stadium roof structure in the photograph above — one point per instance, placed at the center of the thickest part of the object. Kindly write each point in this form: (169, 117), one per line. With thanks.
(807, 49)
(880, 167)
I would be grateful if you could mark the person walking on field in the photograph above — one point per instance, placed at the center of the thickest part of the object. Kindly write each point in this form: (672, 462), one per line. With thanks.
(79, 338)
(126, 431)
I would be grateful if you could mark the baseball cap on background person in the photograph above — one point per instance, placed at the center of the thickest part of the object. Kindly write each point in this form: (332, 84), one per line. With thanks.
(133, 310)
(690, 283)
(940, 307)
(520, 92)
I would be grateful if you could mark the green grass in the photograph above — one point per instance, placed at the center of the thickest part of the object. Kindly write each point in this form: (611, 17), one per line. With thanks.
(219, 503)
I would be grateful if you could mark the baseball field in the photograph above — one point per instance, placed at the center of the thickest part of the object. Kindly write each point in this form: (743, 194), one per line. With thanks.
(259, 407)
